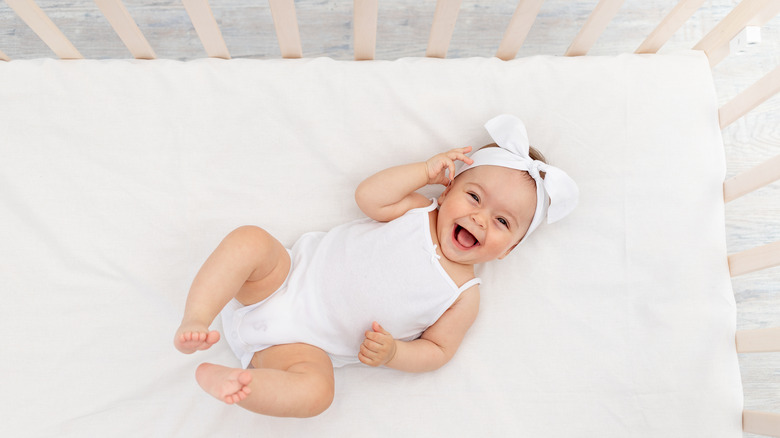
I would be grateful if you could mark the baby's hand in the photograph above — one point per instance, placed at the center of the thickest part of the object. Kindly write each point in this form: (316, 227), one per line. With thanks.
(378, 348)
(438, 164)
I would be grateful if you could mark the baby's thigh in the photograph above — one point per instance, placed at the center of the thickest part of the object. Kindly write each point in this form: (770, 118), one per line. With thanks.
(309, 363)
(270, 260)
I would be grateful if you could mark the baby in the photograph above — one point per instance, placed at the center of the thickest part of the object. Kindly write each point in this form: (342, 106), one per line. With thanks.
(395, 289)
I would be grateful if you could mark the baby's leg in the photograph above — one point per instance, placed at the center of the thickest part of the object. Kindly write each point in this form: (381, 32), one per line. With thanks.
(292, 380)
(249, 265)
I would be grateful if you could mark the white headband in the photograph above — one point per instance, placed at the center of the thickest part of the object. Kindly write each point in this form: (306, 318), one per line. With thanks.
(556, 190)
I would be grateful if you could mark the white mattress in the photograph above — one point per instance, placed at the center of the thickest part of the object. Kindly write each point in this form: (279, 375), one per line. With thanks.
(118, 178)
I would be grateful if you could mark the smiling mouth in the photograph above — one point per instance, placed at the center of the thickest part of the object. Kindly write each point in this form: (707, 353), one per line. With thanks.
(463, 238)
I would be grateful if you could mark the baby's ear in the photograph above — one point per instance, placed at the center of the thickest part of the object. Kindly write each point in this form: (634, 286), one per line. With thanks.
(508, 251)
(444, 194)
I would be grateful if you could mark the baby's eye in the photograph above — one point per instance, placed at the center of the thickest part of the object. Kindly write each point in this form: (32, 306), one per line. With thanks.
(503, 222)
(474, 195)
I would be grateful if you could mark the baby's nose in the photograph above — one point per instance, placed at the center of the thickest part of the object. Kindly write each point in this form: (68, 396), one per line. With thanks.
(478, 219)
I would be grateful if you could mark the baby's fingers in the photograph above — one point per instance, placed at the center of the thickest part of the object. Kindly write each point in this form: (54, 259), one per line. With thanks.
(368, 357)
(459, 154)
(451, 175)
(372, 346)
(367, 361)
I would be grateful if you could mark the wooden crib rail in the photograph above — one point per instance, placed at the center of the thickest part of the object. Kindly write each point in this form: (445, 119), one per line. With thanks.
(761, 423)
(443, 25)
(286, 24)
(46, 30)
(715, 43)
(752, 179)
(670, 24)
(206, 26)
(125, 27)
(752, 97)
(518, 28)
(598, 20)
(755, 259)
(364, 29)
(758, 340)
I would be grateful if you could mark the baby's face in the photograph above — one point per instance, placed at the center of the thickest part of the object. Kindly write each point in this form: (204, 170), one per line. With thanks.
(484, 213)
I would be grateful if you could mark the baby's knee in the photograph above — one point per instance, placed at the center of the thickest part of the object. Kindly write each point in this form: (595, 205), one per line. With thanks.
(249, 237)
(319, 399)
(249, 232)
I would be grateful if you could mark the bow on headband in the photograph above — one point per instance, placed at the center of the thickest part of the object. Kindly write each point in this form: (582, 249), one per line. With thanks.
(556, 193)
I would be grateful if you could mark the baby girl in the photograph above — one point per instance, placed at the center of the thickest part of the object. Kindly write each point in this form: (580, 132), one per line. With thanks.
(395, 289)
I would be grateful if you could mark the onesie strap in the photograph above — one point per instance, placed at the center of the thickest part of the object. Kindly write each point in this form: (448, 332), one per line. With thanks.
(468, 284)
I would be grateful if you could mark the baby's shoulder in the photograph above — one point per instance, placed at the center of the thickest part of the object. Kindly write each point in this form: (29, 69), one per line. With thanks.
(459, 273)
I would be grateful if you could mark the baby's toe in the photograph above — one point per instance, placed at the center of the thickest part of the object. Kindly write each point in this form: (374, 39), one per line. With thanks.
(212, 337)
(234, 398)
(245, 378)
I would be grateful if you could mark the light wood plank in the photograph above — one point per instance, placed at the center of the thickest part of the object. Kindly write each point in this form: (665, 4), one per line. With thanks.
(124, 25)
(670, 24)
(597, 22)
(761, 423)
(758, 340)
(4, 57)
(755, 259)
(40, 23)
(767, 14)
(715, 44)
(206, 26)
(286, 24)
(753, 179)
(364, 29)
(518, 28)
(443, 25)
(752, 97)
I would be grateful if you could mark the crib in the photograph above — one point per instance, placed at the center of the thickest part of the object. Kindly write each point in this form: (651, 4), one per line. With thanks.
(120, 175)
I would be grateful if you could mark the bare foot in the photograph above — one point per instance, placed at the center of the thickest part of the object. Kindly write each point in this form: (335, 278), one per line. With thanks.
(194, 337)
(227, 384)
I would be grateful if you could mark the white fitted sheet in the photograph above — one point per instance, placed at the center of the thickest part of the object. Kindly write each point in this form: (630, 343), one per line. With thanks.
(118, 178)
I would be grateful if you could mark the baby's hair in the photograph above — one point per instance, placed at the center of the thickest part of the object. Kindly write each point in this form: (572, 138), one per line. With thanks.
(532, 152)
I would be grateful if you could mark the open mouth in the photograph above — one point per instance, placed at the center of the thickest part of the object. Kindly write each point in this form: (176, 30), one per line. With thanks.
(463, 238)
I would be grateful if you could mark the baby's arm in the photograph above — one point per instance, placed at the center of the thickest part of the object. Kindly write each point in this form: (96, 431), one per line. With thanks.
(434, 348)
(390, 193)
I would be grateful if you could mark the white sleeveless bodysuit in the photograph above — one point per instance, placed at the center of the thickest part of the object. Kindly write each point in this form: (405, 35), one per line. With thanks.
(341, 281)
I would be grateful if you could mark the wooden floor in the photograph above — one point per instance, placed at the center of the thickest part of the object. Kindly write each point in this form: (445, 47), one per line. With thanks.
(325, 28)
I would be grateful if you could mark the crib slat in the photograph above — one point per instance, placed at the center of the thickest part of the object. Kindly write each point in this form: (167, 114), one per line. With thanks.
(769, 11)
(758, 341)
(752, 179)
(206, 26)
(124, 25)
(716, 43)
(755, 259)
(364, 29)
(597, 22)
(767, 14)
(761, 423)
(670, 24)
(286, 24)
(443, 25)
(752, 97)
(40, 23)
(518, 28)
